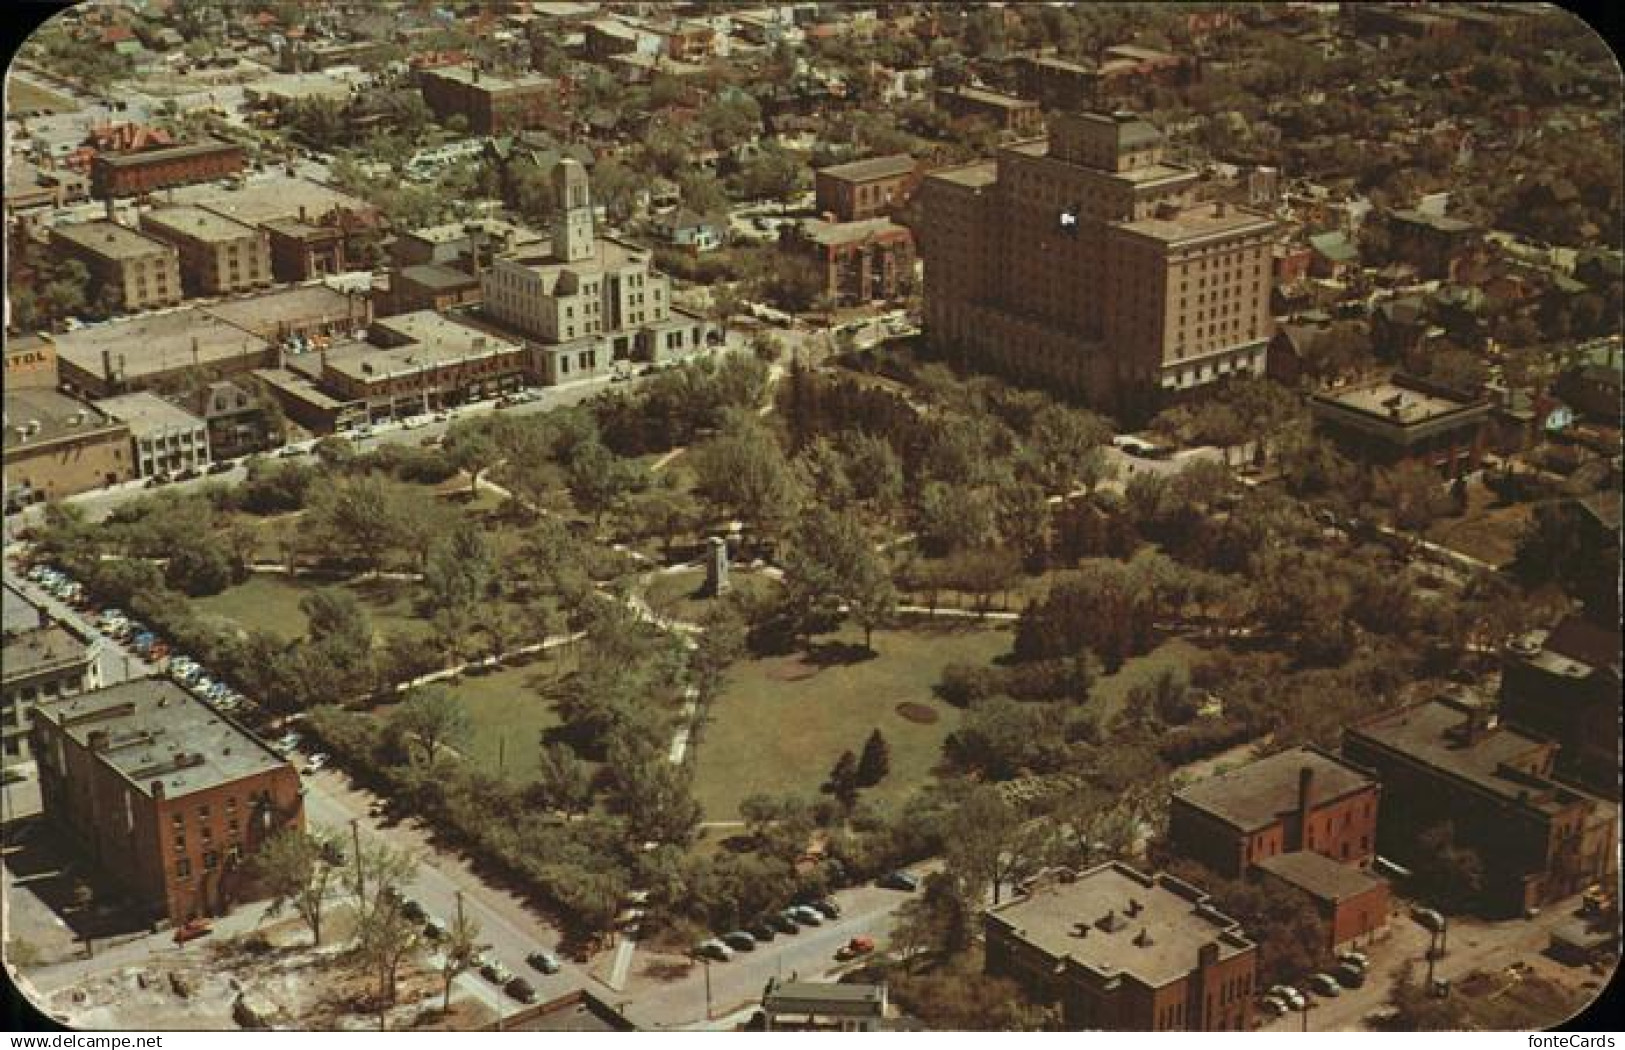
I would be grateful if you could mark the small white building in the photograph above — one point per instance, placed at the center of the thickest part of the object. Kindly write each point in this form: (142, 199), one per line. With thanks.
(167, 439)
(819, 1006)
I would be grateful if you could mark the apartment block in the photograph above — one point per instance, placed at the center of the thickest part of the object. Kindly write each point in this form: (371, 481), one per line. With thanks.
(866, 189)
(492, 105)
(168, 796)
(143, 171)
(138, 271)
(218, 256)
(1083, 262)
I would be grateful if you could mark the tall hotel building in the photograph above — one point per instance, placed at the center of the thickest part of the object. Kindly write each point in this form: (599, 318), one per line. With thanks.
(1083, 262)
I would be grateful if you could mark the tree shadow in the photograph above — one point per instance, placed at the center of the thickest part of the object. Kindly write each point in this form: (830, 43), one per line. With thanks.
(838, 654)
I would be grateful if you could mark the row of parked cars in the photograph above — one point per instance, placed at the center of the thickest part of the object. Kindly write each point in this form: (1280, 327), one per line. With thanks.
(1350, 972)
(486, 964)
(789, 921)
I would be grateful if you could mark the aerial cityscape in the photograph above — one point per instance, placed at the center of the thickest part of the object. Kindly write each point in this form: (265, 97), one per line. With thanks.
(577, 516)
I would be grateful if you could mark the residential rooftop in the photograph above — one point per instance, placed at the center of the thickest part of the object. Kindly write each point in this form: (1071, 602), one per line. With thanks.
(1319, 876)
(148, 415)
(42, 650)
(198, 223)
(111, 240)
(160, 737)
(1260, 793)
(873, 168)
(48, 416)
(1115, 920)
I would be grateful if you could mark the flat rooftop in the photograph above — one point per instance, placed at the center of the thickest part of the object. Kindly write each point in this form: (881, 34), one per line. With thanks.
(1147, 173)
(157, 343)
(111, 240)
(265, 313)
(148, 414)
(165, 153)
(989, 98)
(1320, 876)
(832, 233)
(1431, 733)
(490, 81)
(158, 733)
(809, 996)
(20, 614)
(610, 254)
(42, 650)
(1157, 945)
(198, 223)
(1259, 793)
(975, 175)
(299, 387)
(873, 168)
(49, 416)
(274, 196)
(432, 341)
(1394, 402)
(1204, 220)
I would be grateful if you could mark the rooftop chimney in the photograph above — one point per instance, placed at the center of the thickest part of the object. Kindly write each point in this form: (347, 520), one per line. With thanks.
(158, 790)
(98, 740)
(1207, 955)
(1306, 792)
(1143, 938)
(1133, 906)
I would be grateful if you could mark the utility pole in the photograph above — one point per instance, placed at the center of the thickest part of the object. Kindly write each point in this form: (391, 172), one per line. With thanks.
(360, 875)
(707, 962)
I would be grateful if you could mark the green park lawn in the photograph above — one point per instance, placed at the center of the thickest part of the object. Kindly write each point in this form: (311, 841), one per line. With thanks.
(782, 721)
(271, 602)
(1175, 654)
(676, 594)
(509, 710)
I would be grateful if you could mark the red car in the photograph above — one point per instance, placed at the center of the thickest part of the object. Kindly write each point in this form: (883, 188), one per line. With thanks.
(192, 930)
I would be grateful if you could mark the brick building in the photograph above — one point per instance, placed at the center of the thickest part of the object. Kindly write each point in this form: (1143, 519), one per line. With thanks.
(1084, 263)
(420, 362)
(132, 174)
(1005, 112)
(1404, 418)
(1127, 952)
(138, 271)
(492, 105)
(1302, 799)
(218, 256)
(1563, 685)
(30, 363)
(56, 446)
(168, 796)
(235, 416)
(1353, 903)
(302, 251)
(866, 189)
(859, 262)
(1434, 244)
(1446, 761)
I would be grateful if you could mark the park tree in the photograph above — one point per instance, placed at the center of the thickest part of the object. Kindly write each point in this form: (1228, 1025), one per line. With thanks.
(294, 867)
(831, 563)
(657, 800)
(202, 567)
(471, 450)
(360, 517)
(875, 762)
(743, 470)
(431, 718)
(460, 570)
(563, 780)
(843, 780)
(1061, 440)
(385, 937)
(459, 950)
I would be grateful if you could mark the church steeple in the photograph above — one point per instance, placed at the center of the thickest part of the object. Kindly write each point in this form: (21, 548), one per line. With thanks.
(573, 228)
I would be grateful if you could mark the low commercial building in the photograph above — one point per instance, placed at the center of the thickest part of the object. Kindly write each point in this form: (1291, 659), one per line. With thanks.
(42, 665)
(139, 272)
(821, 1006)
(131, 174)
(1563, 685)
(30, 363)
(1123, 951)
(166, 438)
(866, 189)
(302, 251)
(426, 362)
(1352, 903)
(1389, 421)
(492, 105)
(235, 417)
(56, 446)
(304, 402)
(157, 351)
(1005, 112)
(431, 287)
(858, 262)
(1445, 761)
(218, 256)
(168, 796)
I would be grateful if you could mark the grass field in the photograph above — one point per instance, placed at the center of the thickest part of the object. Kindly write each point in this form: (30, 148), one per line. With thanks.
(675, 594)
(271, 602)
(781, 722)
(24, 96)
(1175, 654)
(509, 711)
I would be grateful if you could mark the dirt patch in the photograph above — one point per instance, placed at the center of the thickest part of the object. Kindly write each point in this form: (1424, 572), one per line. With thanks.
(917, 713)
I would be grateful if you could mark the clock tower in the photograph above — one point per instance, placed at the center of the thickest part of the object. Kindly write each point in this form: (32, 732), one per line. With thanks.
(573, 228)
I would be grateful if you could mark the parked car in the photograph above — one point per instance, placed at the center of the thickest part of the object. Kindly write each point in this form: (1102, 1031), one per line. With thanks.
(493, 970)
(900, 880)
(806, 916)
(317, 761)
(520, 989)
(221, 466)
(784, 922)
(192, 930)
(855, 947)
(1354, 959)
(1325, 984)
(1272, 1006)
(1349, 976)
(1288, 995)
(1429, 919)
(434, 929)
(739, 941)
(544, 962)
(411, 908)
(713, 949)
(826, 907)
(189, 474)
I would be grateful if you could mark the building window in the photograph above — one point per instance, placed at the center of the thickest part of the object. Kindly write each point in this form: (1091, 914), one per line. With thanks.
(180, 842)
(183, 868)
(211, 860)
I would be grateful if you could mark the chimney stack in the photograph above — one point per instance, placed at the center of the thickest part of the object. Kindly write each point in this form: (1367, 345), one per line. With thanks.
(107, 367)
(98, 740)
(1306, 794)
(158, 790)
(1207, 955)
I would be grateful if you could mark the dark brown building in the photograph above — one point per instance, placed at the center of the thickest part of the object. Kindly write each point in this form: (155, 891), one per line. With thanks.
(866, 189)
(132, 174)
(168, 796)
(1447, 762)
(1404, 418)
(1353, 903)
(1123, 951)
(1563, 685)
(1298, 800)
(859, 262)
(1005, 112)
(303, 252)
(493, 105)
